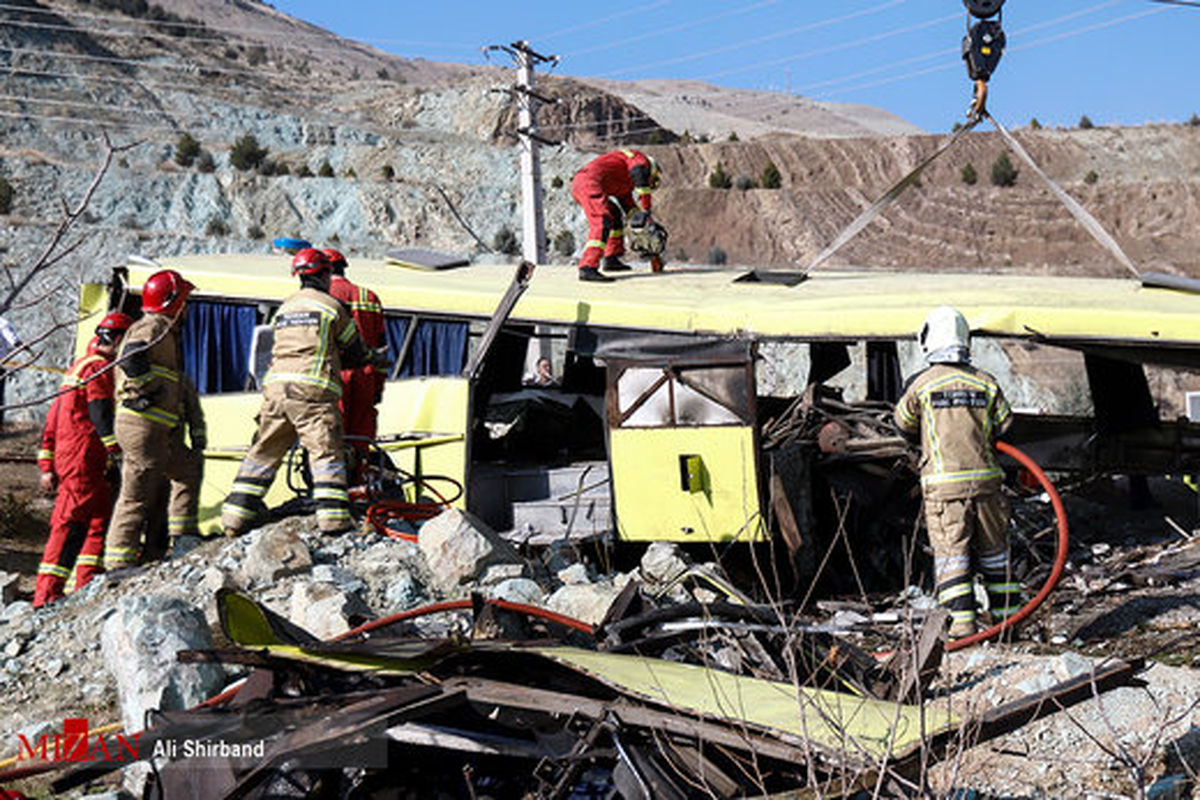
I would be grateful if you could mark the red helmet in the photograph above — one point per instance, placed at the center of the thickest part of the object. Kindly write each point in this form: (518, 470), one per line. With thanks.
(116, 322)
(337, 261)
(309, 261)
(165, 292)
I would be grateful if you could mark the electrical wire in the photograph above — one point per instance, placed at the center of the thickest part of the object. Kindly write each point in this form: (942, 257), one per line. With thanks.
(639, 8)
(657, 32)
(757, 39)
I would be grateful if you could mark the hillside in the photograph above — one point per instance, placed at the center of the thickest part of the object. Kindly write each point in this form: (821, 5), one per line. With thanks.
(393, 133)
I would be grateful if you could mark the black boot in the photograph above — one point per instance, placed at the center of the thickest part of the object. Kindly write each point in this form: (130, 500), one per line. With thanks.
(593, 274)
(615, 264)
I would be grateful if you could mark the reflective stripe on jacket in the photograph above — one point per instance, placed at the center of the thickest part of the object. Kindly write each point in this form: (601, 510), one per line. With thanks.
(959, 411)
(151, 383)
(623, 174)
(311, 330)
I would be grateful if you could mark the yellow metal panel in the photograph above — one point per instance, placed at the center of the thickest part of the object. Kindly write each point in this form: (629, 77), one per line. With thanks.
(421, 406)
(717, 502)
(868, 303)
(863, 727)
(93, 301)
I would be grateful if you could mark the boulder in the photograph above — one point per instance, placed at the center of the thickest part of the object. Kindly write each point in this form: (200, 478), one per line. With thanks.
(139, 641)
(325, 610)
(459, 547)
(588, 602)
(275, 553)
(662, 563)
(518, 590)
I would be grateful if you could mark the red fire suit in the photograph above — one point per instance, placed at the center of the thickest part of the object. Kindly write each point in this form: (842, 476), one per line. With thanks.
(607, 188)
(361, 387)
(76, 444)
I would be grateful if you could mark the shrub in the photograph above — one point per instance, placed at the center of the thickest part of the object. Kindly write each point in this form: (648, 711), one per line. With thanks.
(1194, 121)
(744, 182)
(216, 227)
(681, 255)
(1034, 124)
(968, 174)
(231, 53)
(1085, 123)
(382, 74)
(556, 182)
(350, 173)
(703, 138)
(719, 179)
(355, 74)
(334, 238)
(281, 168)
(205, 162)
(246, 154)
(733, 137)
(505, 241)
(387, 172)
(325, 170)
(255, 232)
(1003, 171)
(304, 171)
(6, 196)
(716, 255)
(267, 168)
(770, 178)
(187, 150)
(564, 243)
(257, 55)
(1091, 177)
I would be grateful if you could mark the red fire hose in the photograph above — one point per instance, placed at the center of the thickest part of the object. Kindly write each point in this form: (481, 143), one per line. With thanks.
(1060, 558)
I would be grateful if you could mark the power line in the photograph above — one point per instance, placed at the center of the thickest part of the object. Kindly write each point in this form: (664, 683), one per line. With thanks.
(654, 34)
(1027, 46)
(835, 48)
(756, 40)
(637, 9)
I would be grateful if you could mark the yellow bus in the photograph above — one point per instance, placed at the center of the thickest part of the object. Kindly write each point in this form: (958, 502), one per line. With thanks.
(665, 383)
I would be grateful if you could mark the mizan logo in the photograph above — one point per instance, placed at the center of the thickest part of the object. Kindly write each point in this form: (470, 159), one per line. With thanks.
(78, 743)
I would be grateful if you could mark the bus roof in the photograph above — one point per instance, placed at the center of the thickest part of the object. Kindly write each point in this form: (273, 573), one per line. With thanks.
(843, 305)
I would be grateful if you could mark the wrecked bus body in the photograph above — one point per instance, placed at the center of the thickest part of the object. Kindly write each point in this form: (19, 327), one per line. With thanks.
(669, 420)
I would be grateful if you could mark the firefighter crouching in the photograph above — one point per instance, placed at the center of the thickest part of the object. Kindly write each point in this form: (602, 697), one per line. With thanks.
(315, 337)
(607, 188)
(959, 411)
(155, 401)
(362, 387)
(78, 444)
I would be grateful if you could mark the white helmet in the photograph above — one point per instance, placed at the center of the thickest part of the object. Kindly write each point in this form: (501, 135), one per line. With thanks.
(945, 336)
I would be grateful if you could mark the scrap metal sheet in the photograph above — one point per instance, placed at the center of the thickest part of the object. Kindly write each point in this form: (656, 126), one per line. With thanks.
(861, 727)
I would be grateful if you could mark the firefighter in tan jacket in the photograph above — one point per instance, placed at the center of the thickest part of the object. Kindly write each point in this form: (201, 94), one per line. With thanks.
(959, 411)
(315, 337)
(155, 401)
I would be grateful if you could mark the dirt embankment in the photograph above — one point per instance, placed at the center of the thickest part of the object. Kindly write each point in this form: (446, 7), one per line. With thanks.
(1142, 184)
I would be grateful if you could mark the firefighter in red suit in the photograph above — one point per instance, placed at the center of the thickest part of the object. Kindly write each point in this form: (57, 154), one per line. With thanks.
(608, 188)
(362, 387)
(78, 444)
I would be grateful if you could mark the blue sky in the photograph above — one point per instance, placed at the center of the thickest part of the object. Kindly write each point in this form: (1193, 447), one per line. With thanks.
(1121, 62)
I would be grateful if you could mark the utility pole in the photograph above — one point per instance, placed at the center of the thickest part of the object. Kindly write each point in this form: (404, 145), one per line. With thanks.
(533, 227)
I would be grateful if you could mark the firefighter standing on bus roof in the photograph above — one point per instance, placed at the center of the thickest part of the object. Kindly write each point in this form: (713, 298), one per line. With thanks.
(155, 402)
(315, 337)
(78, 445)
(362, 387)
(608, 187)
(959, 411)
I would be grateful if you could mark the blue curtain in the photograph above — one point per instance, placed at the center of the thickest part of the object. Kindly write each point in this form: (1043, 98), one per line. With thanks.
(216, 344)
(397, 329)
(438, 348)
